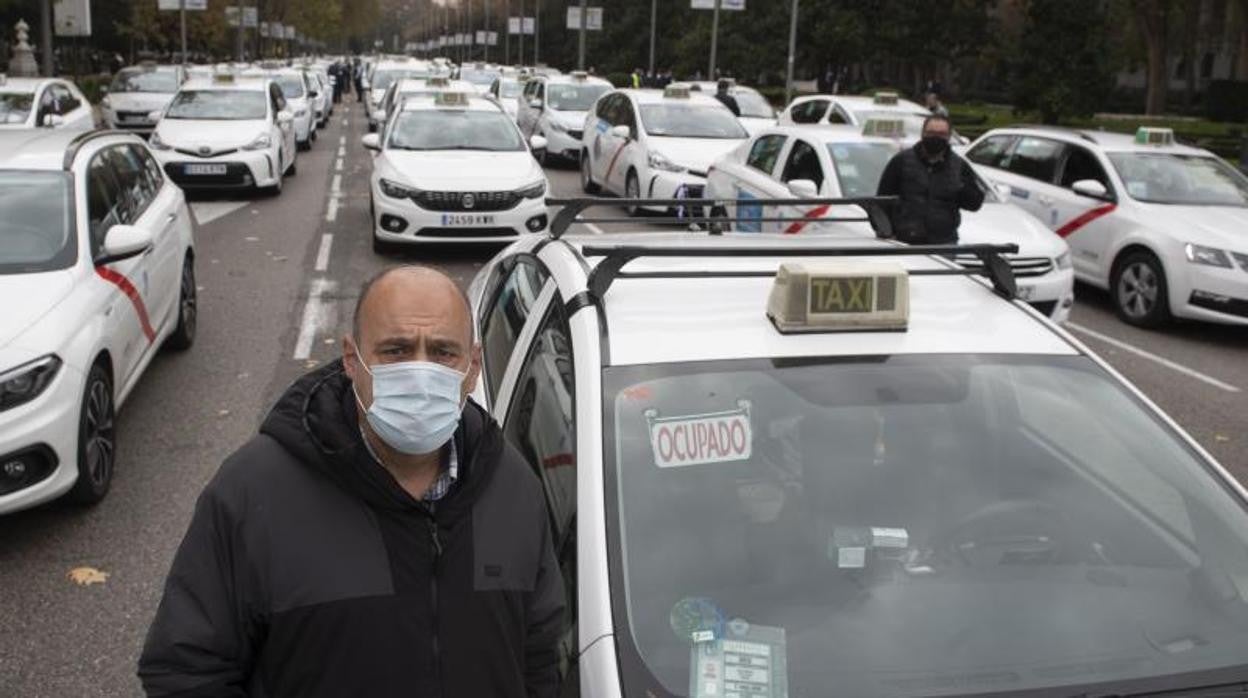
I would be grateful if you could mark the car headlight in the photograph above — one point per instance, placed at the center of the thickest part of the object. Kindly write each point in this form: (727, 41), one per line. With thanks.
(28, 381)
(398, 191)
(1063, 261)
(260, 143)
(533, 191)
(659, 161)
(557, 126)
(1211, 256)
(155, 143)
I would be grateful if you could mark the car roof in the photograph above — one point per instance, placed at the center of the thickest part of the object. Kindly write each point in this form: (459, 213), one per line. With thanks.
(828, 133)
(724, 317)
(651, 96)
(568, 79)
(407, 84)
(22, 84)
(45, 148)
(258, 83)
(1103, 140)
(428, 102)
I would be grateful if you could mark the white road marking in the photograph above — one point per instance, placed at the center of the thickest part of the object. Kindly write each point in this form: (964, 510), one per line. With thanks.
(338, 165)
(594, 229)
(331, 213)
(336, 187)
(345, 122)
(209, 211)
(322, 255)
(316, 315)
(1130, 348)
(342, 151)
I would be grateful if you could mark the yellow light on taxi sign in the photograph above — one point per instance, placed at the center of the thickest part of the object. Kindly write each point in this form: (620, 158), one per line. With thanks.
(884, 128)
(451, 99)
(439, 81)
(676, 92)
(1147, 135)
(223, 78)
(579, 75)
(839, 297)
(886, 98)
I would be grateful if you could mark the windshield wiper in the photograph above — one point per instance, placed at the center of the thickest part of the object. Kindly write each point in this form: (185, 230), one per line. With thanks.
(1221, 690)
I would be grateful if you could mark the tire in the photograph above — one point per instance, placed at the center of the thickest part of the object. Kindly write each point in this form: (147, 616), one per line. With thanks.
(97, 439)
(312, 137)
(276, 189)
(304, 145)
(1139, 290)
(587, 178)
(632, 190)
(293, 169)
(188, 310)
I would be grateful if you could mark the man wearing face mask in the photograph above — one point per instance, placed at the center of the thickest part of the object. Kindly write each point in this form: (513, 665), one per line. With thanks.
(932, 185)
(377, 538)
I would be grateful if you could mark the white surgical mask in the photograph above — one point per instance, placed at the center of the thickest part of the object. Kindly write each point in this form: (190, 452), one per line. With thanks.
(416, 404)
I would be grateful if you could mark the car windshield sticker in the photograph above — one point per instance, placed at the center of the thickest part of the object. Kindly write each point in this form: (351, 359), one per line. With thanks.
(746, 660)
(719, 437)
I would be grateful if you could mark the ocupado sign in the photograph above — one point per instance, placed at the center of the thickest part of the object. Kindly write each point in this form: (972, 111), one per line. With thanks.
(719, 437)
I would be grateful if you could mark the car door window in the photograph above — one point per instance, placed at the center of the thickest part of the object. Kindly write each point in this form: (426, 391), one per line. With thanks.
(47, 105)
(626, 115)
(765, 152)
(131, 173)
(505, 316)
(66, 101)
(809, 112)
(991, 151)
(803, 163)
(1035, 158)
(104, 201)
(838, 116)
(1082, 164)
(609, 110)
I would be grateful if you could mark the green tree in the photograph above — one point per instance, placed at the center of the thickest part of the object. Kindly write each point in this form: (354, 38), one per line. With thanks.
(1062, 69)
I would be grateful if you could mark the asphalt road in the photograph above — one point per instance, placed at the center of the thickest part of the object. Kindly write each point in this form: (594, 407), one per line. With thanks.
(279, 278)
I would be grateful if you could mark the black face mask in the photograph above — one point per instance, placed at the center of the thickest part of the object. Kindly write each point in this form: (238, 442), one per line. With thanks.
(935, 146)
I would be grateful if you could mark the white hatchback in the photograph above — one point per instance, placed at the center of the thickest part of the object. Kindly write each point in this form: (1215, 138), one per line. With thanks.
(136, 92)
(43, 103)
(554, 107)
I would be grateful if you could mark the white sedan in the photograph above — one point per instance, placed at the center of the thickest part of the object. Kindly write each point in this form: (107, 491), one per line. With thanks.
(43, 103)
(806, 162)
(97, 263)
(453, 168)
(656, 145)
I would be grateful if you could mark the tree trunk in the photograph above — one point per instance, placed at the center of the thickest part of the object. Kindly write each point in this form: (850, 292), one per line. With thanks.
(1241, 65)
(1191, 31)
(1151, 17)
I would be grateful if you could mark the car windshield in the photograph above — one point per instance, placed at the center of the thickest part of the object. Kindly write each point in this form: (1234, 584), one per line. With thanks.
(859, 166)
(1168, 178)
(913, 121)
(753, 105)
(510, 88)
(479, 77)
(690, 121)
(36, 226)
(15, 107)
(383, 78)
(916, 525)
(446, 129)
(140, 80)
(292, 86)
(219, 105)
(573, 97)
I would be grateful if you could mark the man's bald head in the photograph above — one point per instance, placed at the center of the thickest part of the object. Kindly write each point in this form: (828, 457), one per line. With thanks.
(407, 278)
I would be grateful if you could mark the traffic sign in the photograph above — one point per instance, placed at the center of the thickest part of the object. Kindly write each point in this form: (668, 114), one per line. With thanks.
(72, 17)
(191, 5)
(723, 4)
(593, 18)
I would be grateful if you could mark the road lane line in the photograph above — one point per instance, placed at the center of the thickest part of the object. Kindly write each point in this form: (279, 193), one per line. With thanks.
(1130, 348)
(322, 255)
(336, 187)
(331, 213)
(338, 165)
(342, 151)
(342, 141)
(316, 315)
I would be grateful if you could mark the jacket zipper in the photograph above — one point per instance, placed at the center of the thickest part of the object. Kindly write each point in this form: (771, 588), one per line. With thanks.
(433, 592)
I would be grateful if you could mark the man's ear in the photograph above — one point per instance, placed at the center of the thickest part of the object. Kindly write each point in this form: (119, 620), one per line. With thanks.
(350, 357)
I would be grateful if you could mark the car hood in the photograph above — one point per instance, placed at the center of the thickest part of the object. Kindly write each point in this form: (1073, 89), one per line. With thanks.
(187, 134)
(694, 153)
(1003, 224)
(569, 119)
(464, 170)
(139, 101)
(1223, 227)
(38, 293)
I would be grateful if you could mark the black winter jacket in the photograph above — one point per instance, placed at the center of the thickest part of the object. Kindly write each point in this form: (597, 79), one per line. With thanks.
(930, 195)
(308, 571)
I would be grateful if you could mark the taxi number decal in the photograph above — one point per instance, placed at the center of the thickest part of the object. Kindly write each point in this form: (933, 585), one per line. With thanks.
(841, 295)
(719, 437)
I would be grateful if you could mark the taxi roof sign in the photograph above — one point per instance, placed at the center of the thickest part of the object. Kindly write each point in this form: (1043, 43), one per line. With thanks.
(4, 78)
(839, 296)
(451, 99)
(438, 81)
(676, 92)
(884, 128)
(223, 78)
(1149, 135)
(886, 98)
(579, 75)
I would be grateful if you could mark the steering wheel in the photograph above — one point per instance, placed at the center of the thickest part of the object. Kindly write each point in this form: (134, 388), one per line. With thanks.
(1013, 531)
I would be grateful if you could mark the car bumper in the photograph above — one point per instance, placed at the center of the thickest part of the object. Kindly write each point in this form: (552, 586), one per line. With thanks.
(43, 434)
(672, 185)
(1211, 294)
(564, 144)
(303, 128)
(132, 125)
(1052, 294)
(402, 221)
(244, 169)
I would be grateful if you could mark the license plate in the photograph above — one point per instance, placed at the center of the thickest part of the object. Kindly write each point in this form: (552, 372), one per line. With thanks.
(1026, 292)
(205, 169)
(466, 219)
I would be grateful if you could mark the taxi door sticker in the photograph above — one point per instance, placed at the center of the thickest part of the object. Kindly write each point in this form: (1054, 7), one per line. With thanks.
(750, 662)
(719, 437)
(1073, 225)
(749, 215)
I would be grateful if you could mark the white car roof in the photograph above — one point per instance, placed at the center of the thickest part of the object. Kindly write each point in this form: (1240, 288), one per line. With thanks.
(647, 96)
(429, 103)
(568, 79)
(22, 85)
(259, 83)
(45, 148)
(422, 85)
(1098, 140)
(828, 133)
(725, 317)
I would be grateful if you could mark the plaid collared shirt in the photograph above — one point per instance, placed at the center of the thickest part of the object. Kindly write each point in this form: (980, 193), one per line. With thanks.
(446, 478)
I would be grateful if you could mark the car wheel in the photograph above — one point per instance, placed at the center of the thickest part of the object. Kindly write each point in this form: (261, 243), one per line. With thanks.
(97, 439)
(1140, 291)
(312, 137)
(304, 145)
(587, 178)
(275, 189)
(188, 310)
(632, 190)
(291, 169)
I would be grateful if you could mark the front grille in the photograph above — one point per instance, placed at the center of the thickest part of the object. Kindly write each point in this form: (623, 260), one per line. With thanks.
(1023, 266)
(465, 232)
(575, 134)
(454, 200)
(1046, 308)
(138, 118)
(1219, 303)
(210, 154)
(236, 175)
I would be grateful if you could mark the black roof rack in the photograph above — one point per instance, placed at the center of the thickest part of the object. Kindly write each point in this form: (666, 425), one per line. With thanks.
(617, 256)
(712, 213)
(1059, 129)
(71, 151)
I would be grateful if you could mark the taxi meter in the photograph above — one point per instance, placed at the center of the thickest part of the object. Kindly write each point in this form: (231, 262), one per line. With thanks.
(839, 296)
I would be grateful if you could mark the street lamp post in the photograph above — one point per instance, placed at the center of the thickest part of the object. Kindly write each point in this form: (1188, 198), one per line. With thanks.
(182, 19)
(580, 47)
(239, 38)
(788, 81)
(521, 61)
(714, 39)
(537, 30)
(487, 31)
(654, 7)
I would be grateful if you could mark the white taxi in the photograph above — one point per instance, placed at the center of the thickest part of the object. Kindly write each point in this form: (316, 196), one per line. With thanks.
(452, 168)
(756, 112)
(400, 90)
(856, 110)
(97, 272)
(777, 465)
(808, 162)
(656, 145)
(385, 72)
(1161, 225)
(480, 76)
(297, 89)
(555, 106)
(506, 91)
(43, 103)
(227, 133)
(138, 91)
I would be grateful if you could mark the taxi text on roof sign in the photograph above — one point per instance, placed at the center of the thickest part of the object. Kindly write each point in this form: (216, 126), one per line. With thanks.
(888, 98)
(676, 91)
(223, 78)
(1154, 136)
(439, 81)
(884, 128)
(839, 297)
(579, 75)
(451, 99)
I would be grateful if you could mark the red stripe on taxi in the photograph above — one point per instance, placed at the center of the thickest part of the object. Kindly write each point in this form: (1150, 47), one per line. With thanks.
(796, 226)
(1085, 218)
(122, 283)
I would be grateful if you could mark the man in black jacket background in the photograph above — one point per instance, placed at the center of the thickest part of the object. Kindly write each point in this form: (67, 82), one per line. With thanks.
(377, 538)
(932, 185)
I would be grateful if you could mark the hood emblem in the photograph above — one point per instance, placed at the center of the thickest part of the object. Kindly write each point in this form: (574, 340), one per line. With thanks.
(468, 200)
(205, 150)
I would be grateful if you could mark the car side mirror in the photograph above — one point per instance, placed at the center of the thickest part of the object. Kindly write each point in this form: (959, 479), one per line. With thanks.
(622, 131)
(285, 117)
(154, 115)
(804, 189)
(537, 143)
(1091, 189)
(536, 104)
(371, 141)
(52, 120)
(123, 242)
(1002, 190)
